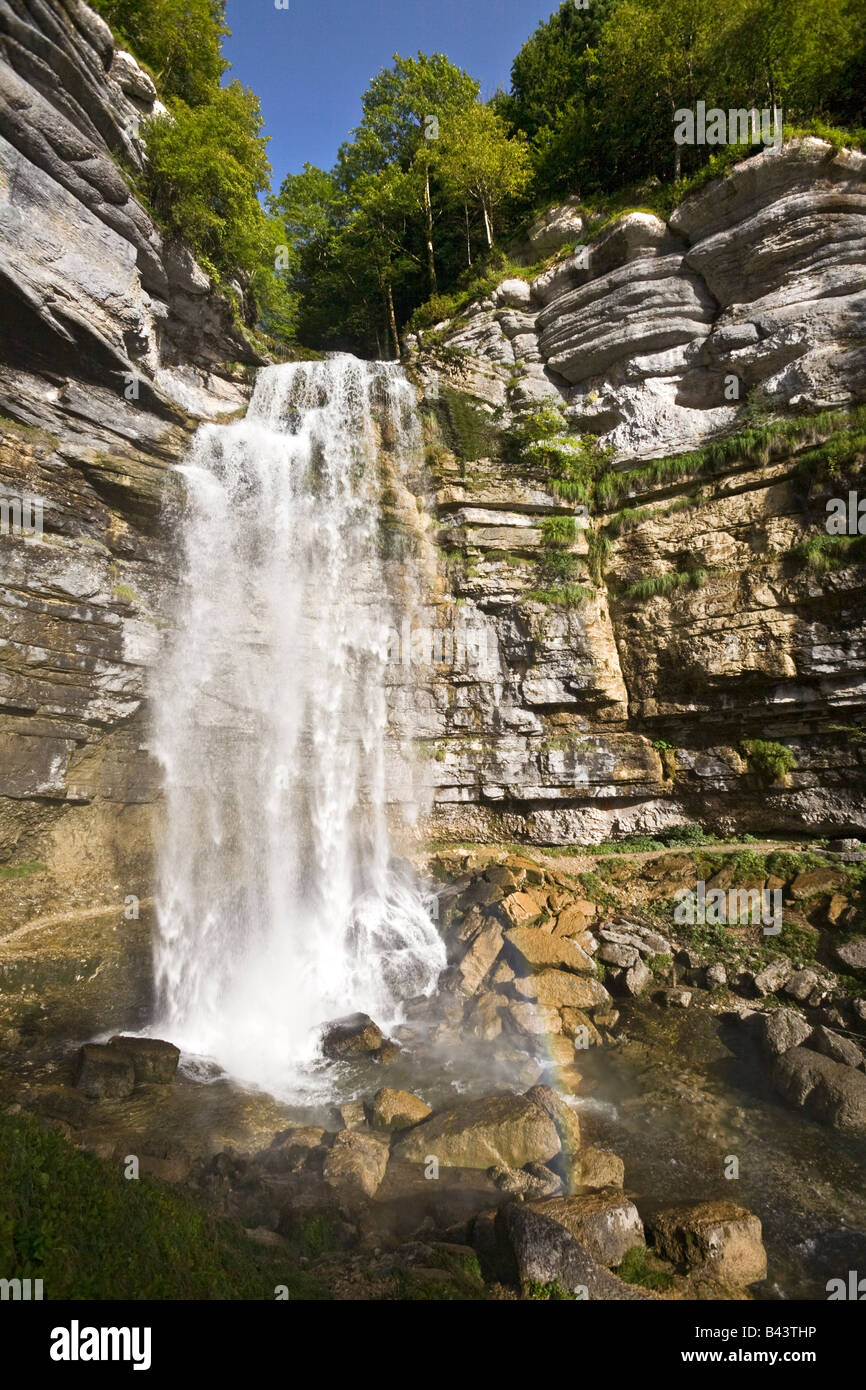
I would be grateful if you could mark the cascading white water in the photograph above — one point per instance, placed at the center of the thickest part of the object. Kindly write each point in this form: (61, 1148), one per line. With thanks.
(279, 905)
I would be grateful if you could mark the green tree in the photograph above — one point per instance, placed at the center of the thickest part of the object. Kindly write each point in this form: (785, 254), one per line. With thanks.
(405, 108)
(178, 40)
(549, 99)
(206, 167)
(477, 160)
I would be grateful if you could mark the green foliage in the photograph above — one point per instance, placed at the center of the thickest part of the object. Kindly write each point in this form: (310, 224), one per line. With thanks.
(548, 1293)
(772, 761)
(468, 431)
(598, 550)
(75, 1222)
(558, 532)
(22, 870)
(660, 585)
(568, 596)
(206, 168)
(476, 159)
(177, 40)
(822, 552)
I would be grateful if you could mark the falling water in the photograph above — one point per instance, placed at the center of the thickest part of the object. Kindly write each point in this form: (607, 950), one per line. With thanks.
(280, 905)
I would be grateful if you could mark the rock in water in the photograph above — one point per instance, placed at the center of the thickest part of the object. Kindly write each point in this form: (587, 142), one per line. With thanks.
(105, 1072)
(718, 1238)
(607, 1224)
(152, 1059)
(354, 1036)
(498, 1130)
(398, 1109)
(356, 1165)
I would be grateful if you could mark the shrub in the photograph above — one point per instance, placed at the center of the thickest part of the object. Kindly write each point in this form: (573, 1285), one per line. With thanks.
(772, 761)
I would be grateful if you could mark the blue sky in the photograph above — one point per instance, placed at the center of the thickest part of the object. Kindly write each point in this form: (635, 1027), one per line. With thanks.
(310, 64)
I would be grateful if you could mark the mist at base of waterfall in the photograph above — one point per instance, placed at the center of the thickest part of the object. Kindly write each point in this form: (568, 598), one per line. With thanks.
(280, 905)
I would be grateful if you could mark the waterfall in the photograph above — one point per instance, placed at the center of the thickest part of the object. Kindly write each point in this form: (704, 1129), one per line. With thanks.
(279, 902)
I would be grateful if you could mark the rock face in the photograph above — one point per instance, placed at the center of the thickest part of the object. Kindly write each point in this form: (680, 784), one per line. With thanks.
(622, 709)
(111, 351)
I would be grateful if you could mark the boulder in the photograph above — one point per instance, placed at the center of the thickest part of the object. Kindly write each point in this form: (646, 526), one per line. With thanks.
(779, 1031)
(152, 1059)
(105, 1072)
(853, 955)
(606, 1224)
(830, 1091)
(673, 997)
(398, 1109)
(556, 989)
(564, 1118)
(837, 1046)
(533, 1020)
(574, 919)
(352, 1115)
(545, 1252)
(580, 1028)
(528, 947)
(636, 978)
(815, 881)
(717, 1238)
(510, 1131)
(479, 958)
(801, 985)
(773, 977)
(355, 1165)
(599, 1168)
(356, 1035)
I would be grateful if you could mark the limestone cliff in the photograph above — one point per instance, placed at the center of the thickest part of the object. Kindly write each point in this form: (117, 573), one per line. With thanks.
(697, 621)
(112, 346)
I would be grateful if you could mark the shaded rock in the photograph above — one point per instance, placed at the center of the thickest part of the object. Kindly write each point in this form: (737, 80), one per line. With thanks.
(718, 1237)
(356, 1035)
(853, 955)
(398, 1109)
(828, 1090)
(606, 1224)
(564, 1118)
(104, 1072)
(484, 1019)
(152, 1059)
(509, 1131)
(837, 1046)
(815, 881)
(673, 997)
(355, 1165)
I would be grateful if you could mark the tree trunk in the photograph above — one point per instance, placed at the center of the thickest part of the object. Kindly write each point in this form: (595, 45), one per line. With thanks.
(428, 217)
(468, 237)
(392, 321)
(488, 225)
